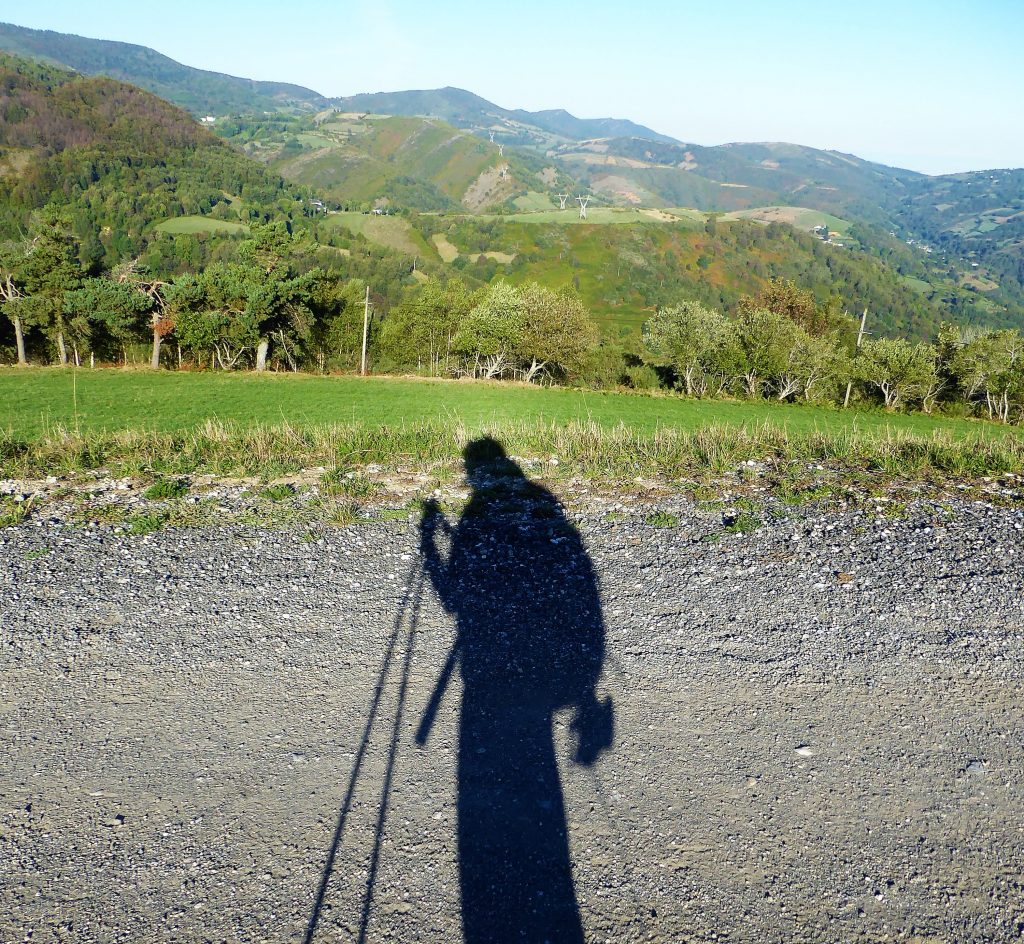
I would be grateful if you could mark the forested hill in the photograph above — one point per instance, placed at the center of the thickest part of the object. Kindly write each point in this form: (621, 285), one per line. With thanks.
(118, 159)
(197, 90)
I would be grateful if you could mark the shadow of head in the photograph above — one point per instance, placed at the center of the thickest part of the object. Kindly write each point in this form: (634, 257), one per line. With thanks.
(484, 459)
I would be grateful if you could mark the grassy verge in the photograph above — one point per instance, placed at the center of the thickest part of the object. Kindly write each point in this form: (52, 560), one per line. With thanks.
(588, 449)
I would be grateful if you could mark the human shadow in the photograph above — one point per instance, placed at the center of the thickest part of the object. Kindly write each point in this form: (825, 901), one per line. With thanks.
(530, 643)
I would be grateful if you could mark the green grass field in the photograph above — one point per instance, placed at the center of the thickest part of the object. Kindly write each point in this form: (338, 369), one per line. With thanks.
(199, 224)
(394, 232)
(39, 399)
(533, 201)
(800, 217)
(602, 216)
(918, 285)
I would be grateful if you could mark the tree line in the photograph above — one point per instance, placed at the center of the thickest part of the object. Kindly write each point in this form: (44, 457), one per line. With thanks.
(270, 306)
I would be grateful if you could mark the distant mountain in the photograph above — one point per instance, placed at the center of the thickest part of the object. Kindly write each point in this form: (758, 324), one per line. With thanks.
(196, 90)
(466, 110)
(964, 232)
(738, 176)
(119, 160)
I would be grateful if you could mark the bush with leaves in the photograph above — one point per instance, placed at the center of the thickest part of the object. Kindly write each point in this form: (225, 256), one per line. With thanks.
(989, 369)
(699, 342)
(488, 339)
(900, 370)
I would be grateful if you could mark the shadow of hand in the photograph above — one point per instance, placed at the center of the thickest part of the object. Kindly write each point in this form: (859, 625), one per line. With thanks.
(594, 728)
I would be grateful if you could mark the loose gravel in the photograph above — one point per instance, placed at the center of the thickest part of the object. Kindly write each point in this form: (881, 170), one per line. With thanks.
(818, 730)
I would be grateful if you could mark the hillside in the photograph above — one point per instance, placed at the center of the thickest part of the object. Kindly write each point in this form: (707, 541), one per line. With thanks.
(466, 110)
(356, 159)
(118, 159)
(979, 216)
(130, 166)
(196, 90)
(625, 269)
(736, 176)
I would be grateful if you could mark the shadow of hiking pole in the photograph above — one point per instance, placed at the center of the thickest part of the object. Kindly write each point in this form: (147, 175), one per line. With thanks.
(415, 587)
(385, 792)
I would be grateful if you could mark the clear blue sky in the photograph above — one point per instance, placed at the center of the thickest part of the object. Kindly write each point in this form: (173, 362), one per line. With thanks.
(934, 85)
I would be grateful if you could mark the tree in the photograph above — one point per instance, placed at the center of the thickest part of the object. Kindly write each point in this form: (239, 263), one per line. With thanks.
(823, 367)
(901, 371)
(11, 295)
(767, 343)
(197, 328)
(232, 311)
(991, 366)
(132, 273)
(785, 297)
(278, 302)
(695, 340)
(421, 331)
(557, 333)
(490, 335)
(115, 306)
(338, 326)
(50, 269)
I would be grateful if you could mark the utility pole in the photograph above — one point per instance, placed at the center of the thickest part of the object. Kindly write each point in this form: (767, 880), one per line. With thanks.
(860, 338)
(562, 197)
(583, 201)
(366, 331)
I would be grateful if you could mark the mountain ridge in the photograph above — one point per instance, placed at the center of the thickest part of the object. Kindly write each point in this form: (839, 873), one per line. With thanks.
(466, 109)
(197, 90)
(967, 229)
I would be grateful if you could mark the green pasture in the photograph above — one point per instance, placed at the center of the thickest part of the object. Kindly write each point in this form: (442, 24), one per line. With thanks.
(533, 202)
(918, 285)
(394, 232)
(36, 400)
(799, 217)
(199, 224)
(596, 215)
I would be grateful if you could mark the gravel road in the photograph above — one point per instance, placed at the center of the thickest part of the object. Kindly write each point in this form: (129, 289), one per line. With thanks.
(610, 731)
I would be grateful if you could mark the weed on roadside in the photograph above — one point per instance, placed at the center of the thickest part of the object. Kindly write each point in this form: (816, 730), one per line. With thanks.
(281, 491)
(347, 482)
(166, 489)
(792, 494)
(89, 512)
(662, 519)
(146, 522)
(391, 514)
(744, 523)
(585, 449)
(340, 514)
(14, 512)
